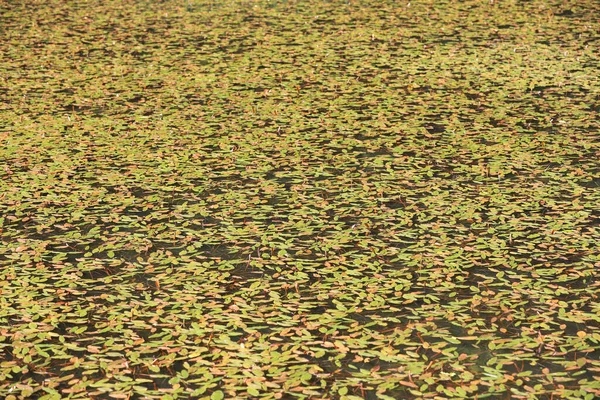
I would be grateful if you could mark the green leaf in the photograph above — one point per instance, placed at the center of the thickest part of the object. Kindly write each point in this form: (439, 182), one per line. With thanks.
(217, 395)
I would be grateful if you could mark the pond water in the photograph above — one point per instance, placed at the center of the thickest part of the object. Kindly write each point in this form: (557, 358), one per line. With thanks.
(286, 199)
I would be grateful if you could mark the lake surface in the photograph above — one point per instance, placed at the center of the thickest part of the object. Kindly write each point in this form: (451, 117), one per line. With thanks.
(289, 199)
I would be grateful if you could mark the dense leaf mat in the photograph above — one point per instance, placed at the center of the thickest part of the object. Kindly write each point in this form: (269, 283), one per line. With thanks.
(299, 199)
